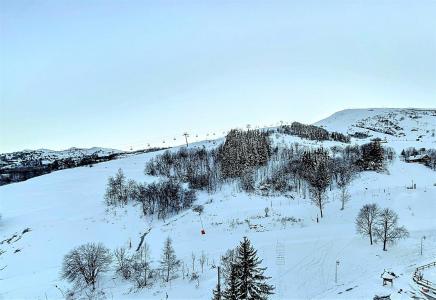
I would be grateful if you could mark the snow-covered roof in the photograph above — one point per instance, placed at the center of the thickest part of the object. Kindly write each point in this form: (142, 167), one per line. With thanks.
(418, 157)
(388, 275)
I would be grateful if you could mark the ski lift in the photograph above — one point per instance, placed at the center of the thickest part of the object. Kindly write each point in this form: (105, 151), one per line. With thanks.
(203, 232)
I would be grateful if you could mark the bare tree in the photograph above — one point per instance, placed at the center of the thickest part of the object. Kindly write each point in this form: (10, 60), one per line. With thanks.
(202, 260)
(169, 263)
(387, 229)
(193, 261)
(116, 190)
(346, 174)
(141, 267)
(123, 263)
(84, 264)
(365, 221)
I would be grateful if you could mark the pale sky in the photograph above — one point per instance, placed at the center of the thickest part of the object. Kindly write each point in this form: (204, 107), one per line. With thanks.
(126, 73)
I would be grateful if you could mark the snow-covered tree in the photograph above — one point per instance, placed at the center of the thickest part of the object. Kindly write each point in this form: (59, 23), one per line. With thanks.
(242, 151)
(373, 156)
(251, 282)
(227, 260)
(318, 188)
(231, 290)
(169, 262)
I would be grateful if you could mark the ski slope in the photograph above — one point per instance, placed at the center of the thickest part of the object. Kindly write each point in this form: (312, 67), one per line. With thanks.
(65, 209)
(401, 124)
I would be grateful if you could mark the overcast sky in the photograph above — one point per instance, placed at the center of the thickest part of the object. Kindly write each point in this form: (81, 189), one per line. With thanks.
(126, 73)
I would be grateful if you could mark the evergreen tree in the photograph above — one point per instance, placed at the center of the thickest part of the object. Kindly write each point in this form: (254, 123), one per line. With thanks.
(315, 167)
(231, 292)
(372, 156)
(251, 283)
(169, 263)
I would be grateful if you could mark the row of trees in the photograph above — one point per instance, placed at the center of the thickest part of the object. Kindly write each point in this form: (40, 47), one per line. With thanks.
(198, 167)
(243, 276)
(138, 267)
(237, 157)
(83, 266)
(313, 132)
(161, 198)
(249, 158)
(379, 225)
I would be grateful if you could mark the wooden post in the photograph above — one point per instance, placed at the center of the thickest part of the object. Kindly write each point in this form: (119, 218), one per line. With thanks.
(218, 288)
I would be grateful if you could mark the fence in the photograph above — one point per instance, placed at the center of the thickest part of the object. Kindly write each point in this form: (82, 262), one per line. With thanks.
(420, 280)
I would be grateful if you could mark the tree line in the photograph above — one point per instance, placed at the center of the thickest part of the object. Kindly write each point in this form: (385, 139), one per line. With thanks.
(161, 198)
(312, 132)
(83, 266)
(249, 159)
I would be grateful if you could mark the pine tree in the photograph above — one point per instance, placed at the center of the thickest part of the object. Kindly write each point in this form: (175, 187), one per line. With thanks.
(231, 292)
(251, 283)
(169, 263)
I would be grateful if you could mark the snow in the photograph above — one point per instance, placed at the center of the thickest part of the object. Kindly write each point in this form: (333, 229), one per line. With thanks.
(417, 157)
(405, 125)
(25, 157)
(65, 209)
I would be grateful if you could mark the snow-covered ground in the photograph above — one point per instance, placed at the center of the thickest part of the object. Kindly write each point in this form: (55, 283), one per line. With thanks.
(66, 209)
(46, 156)
(392, 124)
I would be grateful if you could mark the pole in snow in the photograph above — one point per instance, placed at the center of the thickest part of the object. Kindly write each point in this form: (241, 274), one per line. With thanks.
(336, 271)
(186, 138)
(422, 239)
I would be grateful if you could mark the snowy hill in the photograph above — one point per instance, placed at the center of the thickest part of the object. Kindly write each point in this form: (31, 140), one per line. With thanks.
(22, 165)
(27, 158)
(394, 124)
(45, 217)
